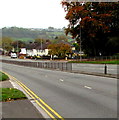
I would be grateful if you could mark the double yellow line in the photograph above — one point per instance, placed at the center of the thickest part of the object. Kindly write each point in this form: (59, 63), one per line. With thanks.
(52, 113)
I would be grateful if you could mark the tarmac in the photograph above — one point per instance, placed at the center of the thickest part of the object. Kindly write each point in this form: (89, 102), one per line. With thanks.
(24, 109)
(21, 109)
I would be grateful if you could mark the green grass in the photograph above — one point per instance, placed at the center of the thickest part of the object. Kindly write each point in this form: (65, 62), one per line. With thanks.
(9, 94)
(97, 62)
(3, 77)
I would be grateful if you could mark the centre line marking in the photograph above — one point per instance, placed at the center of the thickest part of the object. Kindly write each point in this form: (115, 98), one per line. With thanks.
(88, 87)
(61, 80)
(46, 76)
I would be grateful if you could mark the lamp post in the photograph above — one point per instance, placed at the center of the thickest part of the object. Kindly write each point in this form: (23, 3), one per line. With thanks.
(17, 48)
(80, 41)
(41, 45)
(3, 48)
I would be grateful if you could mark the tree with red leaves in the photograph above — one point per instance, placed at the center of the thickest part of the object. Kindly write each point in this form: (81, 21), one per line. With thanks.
(97, 25)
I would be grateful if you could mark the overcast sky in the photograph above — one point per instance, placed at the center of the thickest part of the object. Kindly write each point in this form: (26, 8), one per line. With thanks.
(32, 13)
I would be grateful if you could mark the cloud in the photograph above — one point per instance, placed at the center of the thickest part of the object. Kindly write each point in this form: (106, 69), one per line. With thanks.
(32, 13)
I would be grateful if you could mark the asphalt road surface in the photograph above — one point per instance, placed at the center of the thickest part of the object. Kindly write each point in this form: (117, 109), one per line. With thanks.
(71, 95)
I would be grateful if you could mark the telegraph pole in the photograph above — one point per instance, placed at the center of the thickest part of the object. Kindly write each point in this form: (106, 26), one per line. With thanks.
(41, 45)
(17, 48)
(80, 43)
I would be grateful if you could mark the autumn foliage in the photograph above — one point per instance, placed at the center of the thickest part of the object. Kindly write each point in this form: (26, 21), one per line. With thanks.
(98, 24)
(60, 49)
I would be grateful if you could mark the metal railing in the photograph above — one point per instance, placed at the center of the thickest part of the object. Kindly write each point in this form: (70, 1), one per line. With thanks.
(69, 67)
(63, 66)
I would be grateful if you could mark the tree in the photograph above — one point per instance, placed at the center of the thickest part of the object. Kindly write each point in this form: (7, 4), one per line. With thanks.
(17, 45)
(60, 49)
(40, 40)
(51, 28)
(76, 45)
(7, 43)
(60, 38)
(94, 25)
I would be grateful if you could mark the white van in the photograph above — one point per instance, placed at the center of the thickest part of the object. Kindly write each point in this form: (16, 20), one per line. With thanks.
(13, 55)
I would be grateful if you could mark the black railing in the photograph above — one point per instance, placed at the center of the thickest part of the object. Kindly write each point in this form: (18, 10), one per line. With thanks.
(100, 58)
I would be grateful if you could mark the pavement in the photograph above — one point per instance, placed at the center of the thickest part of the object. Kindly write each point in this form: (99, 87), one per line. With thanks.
(19, 108)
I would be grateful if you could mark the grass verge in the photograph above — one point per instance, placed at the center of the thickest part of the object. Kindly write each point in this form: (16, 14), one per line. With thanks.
(3, 76)
(97, 62)
(10, 94)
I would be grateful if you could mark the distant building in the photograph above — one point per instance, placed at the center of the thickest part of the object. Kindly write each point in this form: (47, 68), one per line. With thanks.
(36, 49)
(23, 51)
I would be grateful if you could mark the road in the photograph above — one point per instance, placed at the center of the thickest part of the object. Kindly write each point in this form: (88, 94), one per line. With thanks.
(71, 95)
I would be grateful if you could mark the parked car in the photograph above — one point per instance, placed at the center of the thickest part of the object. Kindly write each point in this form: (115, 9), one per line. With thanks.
(13, 55)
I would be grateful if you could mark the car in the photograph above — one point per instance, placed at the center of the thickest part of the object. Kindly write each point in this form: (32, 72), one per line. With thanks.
(13, 55)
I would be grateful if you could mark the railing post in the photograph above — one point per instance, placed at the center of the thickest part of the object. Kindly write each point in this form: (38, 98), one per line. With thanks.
(105, 69)
(62, 67)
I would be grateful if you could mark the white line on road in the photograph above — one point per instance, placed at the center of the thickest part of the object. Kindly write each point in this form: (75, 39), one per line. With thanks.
(46, 76)
(14, 85)
(61, 80)
(88, 87)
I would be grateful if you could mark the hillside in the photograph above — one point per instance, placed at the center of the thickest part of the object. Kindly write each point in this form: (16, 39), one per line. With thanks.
(27, 35)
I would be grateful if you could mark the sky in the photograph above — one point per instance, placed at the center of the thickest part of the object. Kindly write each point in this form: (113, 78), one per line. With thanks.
(32, 14)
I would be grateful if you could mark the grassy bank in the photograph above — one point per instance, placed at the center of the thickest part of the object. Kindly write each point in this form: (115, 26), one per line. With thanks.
(10, 94)
(97, 62)
(3, 76)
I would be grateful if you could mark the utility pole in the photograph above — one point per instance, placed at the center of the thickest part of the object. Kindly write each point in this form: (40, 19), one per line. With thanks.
(17, 48)
(41, 45)
(80, 44)
(3, 46)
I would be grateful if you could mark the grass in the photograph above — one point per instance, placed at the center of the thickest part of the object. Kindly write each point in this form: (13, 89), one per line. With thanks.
(10, 94)
(3, 77)
(97, 62)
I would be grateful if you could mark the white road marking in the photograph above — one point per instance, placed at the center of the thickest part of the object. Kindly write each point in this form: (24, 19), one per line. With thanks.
(88, 87)
(46, 76)
(13, 84)
(61, 80)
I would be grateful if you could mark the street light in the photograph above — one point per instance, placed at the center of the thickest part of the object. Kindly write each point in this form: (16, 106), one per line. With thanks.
(80, 41)
(17, 48)
(41, 45)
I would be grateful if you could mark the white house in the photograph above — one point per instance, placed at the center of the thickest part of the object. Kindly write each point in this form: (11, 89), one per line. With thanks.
(37, 52)
(23, 51)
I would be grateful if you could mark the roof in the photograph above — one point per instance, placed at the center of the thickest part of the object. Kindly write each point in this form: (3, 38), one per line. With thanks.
(38, 46)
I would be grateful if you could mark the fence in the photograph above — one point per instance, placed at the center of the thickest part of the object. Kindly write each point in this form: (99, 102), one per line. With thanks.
(48, 65)
(100, 58)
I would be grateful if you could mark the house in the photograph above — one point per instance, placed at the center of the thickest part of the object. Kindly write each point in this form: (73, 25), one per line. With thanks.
(37, 49)
(23, 51)
(1, 51)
